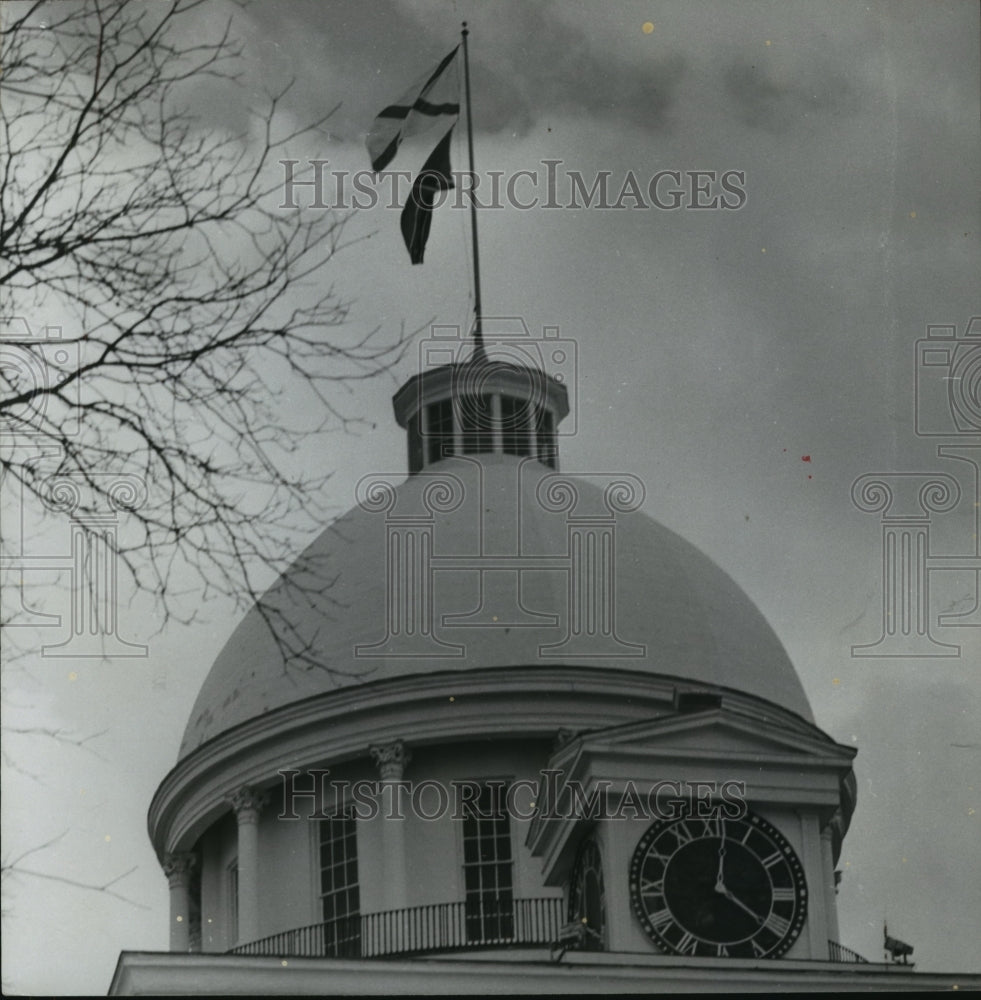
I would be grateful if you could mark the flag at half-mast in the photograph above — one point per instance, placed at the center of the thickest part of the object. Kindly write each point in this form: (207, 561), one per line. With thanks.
(436, 97)
(433, 99)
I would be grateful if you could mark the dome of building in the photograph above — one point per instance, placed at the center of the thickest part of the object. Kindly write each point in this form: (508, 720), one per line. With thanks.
(489, 625)
(496, 538)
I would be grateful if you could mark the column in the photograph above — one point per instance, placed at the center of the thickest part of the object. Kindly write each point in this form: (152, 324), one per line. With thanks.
(817, 927)
(178, 867)
(391, 760)
(828, 876)
(622, 930)
(248, 803)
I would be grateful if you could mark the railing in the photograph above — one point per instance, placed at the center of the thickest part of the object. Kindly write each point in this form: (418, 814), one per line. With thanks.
(839, 953)
(420, 929)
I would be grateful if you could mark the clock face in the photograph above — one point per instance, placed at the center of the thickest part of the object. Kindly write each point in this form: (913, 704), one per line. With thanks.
(718, 887)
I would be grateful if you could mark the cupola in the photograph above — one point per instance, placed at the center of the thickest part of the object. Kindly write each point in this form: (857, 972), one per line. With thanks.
(499, 400)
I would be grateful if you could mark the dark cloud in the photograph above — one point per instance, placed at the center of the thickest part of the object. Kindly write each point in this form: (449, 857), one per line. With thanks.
(550, 67)
(526, 64)
(763, 100)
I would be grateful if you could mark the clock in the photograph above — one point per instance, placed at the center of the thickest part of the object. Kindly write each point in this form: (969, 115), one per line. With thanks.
(718, 887)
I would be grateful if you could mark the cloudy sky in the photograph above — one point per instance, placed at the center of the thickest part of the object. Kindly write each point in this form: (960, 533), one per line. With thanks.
(716, 349)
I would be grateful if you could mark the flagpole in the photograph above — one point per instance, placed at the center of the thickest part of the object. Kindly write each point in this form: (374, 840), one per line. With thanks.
(477, 331)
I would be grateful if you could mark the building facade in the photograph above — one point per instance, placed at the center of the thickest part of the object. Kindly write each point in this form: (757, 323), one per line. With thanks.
(499, 731)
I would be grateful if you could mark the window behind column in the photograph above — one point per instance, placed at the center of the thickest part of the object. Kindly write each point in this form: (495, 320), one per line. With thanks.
(231, 882)
(439, 433)
(416, 456)
(194, 906)
(545, 431)
(339, 891)
(515, 426)
(476, 422)
(488, 869)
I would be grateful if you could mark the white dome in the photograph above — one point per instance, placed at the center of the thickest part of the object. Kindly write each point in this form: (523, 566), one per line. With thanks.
(503, 536)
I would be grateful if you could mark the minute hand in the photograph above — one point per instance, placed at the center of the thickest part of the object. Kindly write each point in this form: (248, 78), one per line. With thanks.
(735, 899)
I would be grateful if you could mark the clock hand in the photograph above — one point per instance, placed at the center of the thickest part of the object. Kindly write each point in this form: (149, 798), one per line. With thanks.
(735, 899)
(719, 886)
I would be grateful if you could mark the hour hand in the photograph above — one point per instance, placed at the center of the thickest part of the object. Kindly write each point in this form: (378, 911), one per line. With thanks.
(719, 887)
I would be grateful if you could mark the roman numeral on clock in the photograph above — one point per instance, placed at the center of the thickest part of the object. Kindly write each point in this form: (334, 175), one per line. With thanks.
(649, 887)
(661, 919)
(783, 895)
(772, 859)
(713, 827)
(688, 944)
(682, 833)
(779, 925)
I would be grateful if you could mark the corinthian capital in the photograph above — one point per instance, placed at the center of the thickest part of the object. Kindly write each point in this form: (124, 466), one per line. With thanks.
(391, 759)
(178, 867)
(248, 803)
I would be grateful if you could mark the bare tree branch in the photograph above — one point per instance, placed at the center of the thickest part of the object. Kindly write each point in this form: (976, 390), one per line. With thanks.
(189, 303)
(76, 884)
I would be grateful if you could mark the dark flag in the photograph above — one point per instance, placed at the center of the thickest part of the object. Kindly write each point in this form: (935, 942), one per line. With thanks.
(417, 216)
(436, 95)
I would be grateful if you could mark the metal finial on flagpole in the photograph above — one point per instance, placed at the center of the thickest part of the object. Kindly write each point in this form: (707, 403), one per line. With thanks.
(477, 331)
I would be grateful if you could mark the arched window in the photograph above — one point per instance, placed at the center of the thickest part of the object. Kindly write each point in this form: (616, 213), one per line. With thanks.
(587, 897)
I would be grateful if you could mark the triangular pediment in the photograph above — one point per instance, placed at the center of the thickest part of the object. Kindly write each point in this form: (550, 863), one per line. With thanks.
(720, 730)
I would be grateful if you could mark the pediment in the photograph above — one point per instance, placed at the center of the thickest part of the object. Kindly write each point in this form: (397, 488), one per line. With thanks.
(713, 732)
